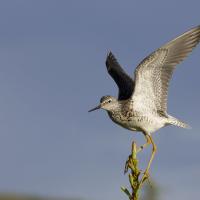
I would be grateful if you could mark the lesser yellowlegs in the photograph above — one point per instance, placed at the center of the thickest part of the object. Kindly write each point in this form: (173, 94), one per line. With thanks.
(142, 102)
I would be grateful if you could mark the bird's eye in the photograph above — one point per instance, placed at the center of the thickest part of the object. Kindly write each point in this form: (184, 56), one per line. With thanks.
(109, 101)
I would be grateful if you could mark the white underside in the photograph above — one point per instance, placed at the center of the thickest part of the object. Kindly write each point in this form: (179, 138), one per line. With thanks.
(149, 124)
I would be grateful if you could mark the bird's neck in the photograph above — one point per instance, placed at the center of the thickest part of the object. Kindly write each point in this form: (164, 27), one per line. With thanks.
(116, 109)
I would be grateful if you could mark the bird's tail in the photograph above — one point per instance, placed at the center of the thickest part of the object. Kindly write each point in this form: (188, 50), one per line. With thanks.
(177, 122)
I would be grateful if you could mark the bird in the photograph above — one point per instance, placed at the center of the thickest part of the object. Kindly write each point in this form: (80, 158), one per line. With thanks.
(142, 100)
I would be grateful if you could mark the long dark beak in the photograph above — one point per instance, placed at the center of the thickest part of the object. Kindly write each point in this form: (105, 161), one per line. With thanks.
(96, 108)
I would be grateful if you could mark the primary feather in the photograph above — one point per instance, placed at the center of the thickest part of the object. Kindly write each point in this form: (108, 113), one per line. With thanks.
(153, 74)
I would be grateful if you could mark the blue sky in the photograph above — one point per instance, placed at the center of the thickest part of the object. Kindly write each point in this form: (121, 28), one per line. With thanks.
(52, 70)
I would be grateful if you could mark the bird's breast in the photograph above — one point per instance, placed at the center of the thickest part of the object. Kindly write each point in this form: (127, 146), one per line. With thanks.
(125, 120)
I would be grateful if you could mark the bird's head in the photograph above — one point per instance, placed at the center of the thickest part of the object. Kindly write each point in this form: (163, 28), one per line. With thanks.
(108, 103)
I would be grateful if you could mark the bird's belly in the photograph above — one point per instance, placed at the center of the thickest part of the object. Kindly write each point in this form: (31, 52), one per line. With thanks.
(148, 124)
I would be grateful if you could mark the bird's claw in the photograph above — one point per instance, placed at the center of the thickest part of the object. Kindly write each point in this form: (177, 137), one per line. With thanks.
(146, 176)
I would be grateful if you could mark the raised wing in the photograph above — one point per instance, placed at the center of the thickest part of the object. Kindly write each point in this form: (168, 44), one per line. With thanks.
(153, 74)
(124, 82)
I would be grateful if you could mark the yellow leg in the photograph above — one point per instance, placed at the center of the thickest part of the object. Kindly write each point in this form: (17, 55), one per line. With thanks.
(154, 148)
(144, 145)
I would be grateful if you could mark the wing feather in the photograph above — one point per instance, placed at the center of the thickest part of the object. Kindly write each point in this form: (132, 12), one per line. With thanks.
(124, 82)
(153, 74)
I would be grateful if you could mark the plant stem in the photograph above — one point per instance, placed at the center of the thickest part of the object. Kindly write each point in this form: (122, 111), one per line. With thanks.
(134, 175)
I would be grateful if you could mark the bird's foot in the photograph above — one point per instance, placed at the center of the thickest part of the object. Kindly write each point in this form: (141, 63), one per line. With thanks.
(142, 147)
(146, 176)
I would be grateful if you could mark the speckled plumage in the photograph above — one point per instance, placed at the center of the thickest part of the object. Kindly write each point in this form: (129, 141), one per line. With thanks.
(142, 102)
(143, 106)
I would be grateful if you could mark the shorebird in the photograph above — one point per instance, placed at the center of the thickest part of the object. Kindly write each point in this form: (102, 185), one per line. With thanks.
(142, 101)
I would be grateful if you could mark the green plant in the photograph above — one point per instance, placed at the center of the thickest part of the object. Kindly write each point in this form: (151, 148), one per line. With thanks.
(135, 179)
